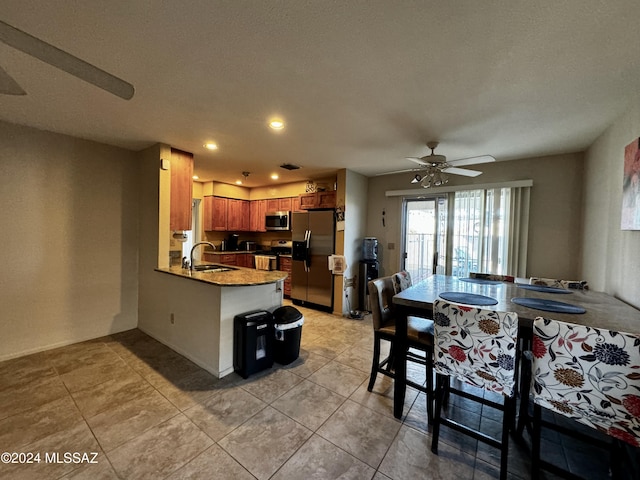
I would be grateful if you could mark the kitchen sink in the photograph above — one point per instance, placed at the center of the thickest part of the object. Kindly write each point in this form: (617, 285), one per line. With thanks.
(213, 268)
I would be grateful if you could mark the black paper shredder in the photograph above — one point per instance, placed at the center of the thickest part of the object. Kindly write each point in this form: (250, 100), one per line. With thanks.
(253, 337)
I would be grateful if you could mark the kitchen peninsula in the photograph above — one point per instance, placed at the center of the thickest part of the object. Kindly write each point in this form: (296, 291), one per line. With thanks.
(201, 308)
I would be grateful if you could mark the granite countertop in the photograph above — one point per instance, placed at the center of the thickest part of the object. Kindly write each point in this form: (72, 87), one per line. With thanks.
(227, 252)
(238, 277)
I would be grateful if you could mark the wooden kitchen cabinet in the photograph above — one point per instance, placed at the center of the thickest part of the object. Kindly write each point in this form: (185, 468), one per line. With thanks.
(238, 212)
(273, 205)
(181, 197)
(228, 259)
(245, 260)
(215, 213)
(308, 201)
(317, 200)
(326, 199)
(285, 266)
(210, 257)
(284, 204)
(295, 204)
(257, 212)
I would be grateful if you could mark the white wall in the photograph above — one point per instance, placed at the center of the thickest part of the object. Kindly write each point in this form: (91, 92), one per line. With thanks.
(555, 211)
(69, 249)
(611, 256)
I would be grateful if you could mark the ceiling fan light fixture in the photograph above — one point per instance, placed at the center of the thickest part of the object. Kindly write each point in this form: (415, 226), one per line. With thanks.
(416, 178)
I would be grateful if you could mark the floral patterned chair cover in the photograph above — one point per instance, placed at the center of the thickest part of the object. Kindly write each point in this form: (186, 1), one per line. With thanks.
(566, 284)
(491, 276)
(476, 345)
(480, 347)
(401, 281)
(590, 375)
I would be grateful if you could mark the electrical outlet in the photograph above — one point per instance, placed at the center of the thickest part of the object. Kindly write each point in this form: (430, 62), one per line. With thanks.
(172, 319)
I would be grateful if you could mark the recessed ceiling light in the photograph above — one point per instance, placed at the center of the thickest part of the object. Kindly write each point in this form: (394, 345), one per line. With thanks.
(276, 123)
(211, 146)
(274, 176)
(195, 177)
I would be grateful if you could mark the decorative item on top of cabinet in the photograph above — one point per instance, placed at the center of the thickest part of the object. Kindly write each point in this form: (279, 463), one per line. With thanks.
(181, 190)
(318, 200)
(285, 266)
(215, 213)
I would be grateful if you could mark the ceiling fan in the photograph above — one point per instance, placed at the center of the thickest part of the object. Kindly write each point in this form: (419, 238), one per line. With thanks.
(57, 58)
(434, 168)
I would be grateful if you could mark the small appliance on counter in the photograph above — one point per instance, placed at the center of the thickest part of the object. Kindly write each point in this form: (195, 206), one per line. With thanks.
(247, 246)
(232, 242)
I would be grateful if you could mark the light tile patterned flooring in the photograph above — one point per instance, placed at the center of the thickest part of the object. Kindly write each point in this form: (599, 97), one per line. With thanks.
(149, 413)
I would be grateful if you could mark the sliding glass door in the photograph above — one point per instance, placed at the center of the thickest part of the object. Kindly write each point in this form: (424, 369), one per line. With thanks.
(466, 231)
(425, 236)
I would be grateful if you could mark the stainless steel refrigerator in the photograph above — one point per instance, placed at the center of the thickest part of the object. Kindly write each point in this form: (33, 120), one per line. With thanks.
(313, 237)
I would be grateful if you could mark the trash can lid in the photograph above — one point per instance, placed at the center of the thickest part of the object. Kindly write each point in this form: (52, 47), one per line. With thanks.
(287, 314)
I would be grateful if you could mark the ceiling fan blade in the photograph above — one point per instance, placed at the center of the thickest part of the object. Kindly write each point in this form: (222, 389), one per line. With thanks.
(418, 160)
(399, 171)
(462, 171)
(471, 161)
(64, 61)
(8, 86)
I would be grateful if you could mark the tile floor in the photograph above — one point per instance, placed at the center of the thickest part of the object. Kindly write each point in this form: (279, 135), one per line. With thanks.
(149, 413)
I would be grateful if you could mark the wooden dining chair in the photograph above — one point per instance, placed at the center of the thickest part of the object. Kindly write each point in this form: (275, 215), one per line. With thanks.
(419, 337)
(566, 284)
(493, 276)
(590, 375)
(479, 347)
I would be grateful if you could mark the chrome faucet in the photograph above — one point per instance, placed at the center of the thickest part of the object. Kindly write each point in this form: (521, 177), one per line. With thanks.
(194, 247)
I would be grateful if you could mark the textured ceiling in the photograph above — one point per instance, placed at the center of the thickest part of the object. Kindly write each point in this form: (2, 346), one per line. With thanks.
(360, 84)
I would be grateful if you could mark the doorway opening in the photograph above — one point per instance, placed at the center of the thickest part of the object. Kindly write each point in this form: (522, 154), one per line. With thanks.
(194, 235)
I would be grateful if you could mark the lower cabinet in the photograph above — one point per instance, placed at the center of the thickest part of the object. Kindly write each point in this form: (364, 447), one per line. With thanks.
(285, 266)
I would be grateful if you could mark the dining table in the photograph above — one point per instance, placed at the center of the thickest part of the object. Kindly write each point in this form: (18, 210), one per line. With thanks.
(583, 307)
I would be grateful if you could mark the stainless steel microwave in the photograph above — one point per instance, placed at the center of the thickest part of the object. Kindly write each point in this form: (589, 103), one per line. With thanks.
(278, 221)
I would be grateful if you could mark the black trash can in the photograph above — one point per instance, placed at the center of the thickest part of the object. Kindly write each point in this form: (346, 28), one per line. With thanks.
(252, 342)
(288, 330)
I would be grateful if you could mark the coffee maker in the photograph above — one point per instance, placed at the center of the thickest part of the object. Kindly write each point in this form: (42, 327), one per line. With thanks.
(232, 242)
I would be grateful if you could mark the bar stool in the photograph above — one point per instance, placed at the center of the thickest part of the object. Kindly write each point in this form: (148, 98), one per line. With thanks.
(589, 375)
(479, 347)
(419, 337)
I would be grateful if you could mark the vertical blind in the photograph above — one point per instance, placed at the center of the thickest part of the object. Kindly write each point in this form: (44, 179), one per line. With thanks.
(490, 231)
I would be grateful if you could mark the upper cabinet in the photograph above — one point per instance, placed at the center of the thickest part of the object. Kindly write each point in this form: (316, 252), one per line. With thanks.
(238, 212)
(181, 190)
(258, 210)
(318, 200)
(215, 213)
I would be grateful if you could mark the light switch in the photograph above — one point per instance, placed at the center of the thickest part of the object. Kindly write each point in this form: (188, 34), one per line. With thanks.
(165, 163)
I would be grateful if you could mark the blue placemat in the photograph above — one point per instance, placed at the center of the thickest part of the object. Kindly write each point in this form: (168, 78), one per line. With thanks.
(481, 280)
(548, 305)
(468, 298)
(542, 288)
